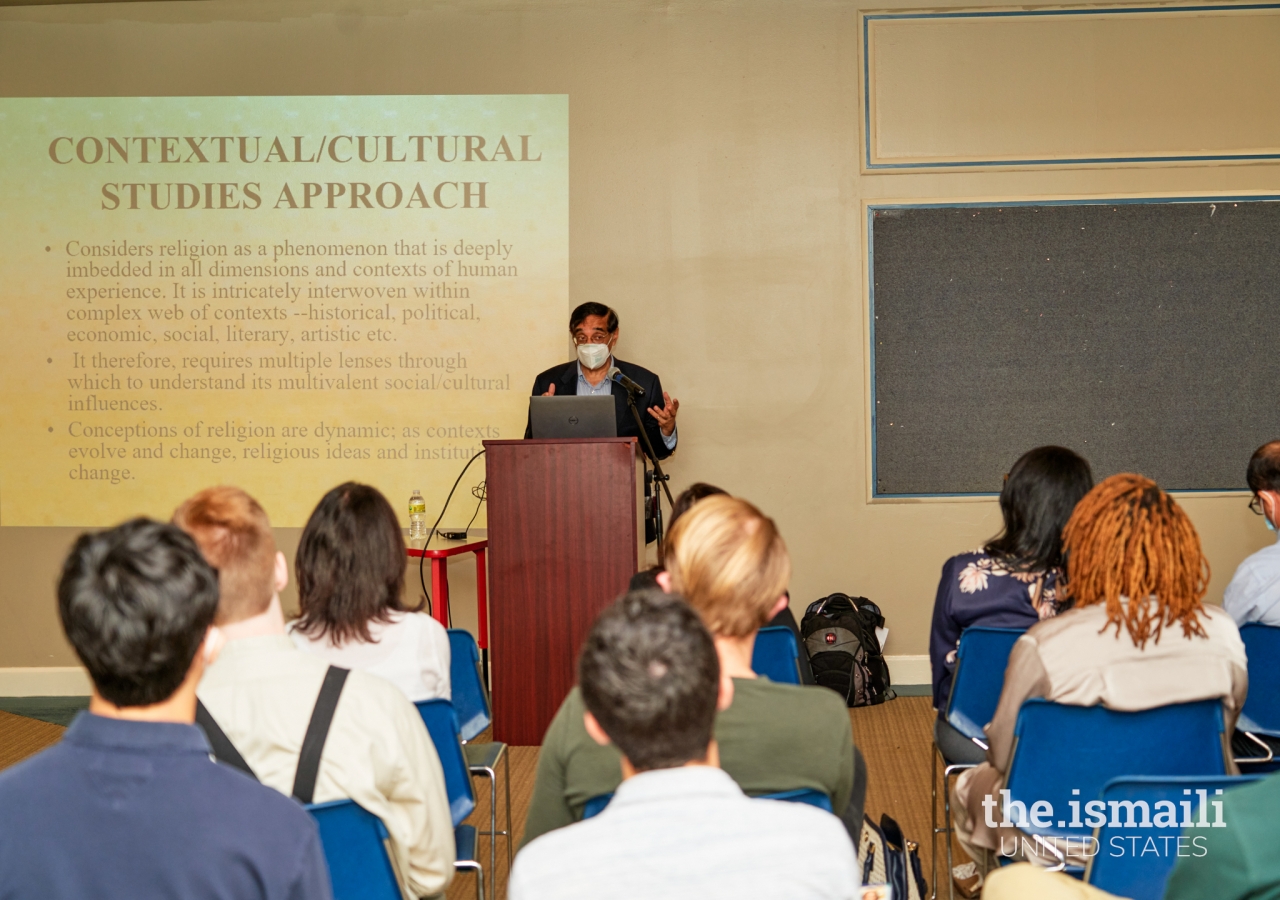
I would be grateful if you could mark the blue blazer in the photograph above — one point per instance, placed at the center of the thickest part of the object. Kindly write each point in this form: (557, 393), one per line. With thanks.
(565, 378)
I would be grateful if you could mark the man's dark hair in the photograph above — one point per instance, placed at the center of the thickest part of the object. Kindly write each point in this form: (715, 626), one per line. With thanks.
(1264, 468)
(699, 490)
(591, 308)
(649, 674)
(135, 603)
(1042, 490)
(350, 565)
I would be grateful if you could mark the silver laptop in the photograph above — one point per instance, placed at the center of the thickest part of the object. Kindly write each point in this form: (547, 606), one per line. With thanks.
(573, 417)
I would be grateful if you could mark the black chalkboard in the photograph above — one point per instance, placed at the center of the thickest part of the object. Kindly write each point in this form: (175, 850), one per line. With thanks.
(1143, 335)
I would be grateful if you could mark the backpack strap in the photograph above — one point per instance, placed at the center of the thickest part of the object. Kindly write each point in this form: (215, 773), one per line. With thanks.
(223, 750)
(304, 781)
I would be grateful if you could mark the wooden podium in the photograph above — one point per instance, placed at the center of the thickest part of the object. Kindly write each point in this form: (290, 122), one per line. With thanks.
(565, 537)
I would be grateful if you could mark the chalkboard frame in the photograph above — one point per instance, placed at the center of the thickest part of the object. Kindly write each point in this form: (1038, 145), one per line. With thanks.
(870, 210)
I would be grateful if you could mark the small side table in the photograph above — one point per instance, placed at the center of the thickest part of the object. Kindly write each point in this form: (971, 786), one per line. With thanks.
(439, 556)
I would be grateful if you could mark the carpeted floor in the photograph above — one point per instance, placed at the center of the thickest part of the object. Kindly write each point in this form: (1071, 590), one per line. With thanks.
(896, 739)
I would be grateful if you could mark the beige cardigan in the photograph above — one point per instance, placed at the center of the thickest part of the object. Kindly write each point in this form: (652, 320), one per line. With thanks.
(1075, 658)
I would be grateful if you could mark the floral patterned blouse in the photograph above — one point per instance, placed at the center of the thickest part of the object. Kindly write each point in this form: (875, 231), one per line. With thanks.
(975, 589)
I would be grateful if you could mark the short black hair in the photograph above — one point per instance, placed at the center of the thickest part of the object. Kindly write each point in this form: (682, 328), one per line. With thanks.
(649, 674)
(350, 565)
(135, 603)
(1263, 473)
(1042, 490)
(699, 490)
(591, 308)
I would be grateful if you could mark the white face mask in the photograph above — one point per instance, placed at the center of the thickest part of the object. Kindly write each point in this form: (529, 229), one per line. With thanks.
(593, 356)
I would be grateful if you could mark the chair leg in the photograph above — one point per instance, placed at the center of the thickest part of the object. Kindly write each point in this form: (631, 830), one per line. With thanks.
(946, 813)
(506, 774)
(493, 829)
(933, 811)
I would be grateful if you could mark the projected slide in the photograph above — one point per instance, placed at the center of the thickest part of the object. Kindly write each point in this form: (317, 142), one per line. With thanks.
(277, 292)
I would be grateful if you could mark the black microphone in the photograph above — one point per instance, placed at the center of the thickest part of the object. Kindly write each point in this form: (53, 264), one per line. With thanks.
(615, 375)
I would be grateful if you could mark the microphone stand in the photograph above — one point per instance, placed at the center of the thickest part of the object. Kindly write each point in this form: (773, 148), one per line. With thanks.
(658, 475)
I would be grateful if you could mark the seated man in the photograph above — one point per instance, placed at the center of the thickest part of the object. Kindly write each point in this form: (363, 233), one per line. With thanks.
(1254, 592)
(1139, 636)
(261, 692)
(129, 804)
(731, 565)
(677, 826)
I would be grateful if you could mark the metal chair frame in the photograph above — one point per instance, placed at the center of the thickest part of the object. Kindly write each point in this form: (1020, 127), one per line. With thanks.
(482, 759)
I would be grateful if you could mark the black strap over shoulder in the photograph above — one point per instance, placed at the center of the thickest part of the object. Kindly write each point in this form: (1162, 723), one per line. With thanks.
(304, 782)
(223, 750)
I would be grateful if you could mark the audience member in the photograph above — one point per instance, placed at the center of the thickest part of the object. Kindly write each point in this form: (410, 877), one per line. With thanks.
(728, 560)
(350, 567)
(1138, 636)
(678, 826)
(1254, 592)
(261, 692)
(1013, 581)
(129, 804)
(1239, 861)
(699, 490)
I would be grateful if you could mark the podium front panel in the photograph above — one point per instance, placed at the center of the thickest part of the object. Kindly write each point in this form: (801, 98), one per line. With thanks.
(563, 544)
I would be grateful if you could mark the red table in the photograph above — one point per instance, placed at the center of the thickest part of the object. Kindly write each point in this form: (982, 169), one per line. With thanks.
(439, 557)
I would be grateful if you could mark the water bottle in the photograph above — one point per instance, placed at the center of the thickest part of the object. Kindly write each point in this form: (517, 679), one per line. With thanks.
(417, 516)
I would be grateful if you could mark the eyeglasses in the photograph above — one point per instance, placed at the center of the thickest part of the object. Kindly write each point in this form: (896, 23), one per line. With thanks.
(596, 337)
(1255, 505)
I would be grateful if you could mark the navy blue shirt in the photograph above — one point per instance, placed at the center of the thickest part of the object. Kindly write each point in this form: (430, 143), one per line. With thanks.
(975, 589)
(137, 810)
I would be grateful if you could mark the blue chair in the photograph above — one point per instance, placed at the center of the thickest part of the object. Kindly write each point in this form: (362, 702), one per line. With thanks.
(354, 848)
(1050, 763)
(471, 702)
(1260, 718)
(442, 725)
(1147, 855)
(808, 796)
(975, 691)
(776, 655)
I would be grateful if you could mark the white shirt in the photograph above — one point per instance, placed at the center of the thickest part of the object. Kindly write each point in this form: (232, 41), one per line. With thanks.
(261, 691)
(690, 833)
(411, 651)
(1254, 592)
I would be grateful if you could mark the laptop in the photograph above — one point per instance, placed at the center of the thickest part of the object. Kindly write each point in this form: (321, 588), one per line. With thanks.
(573, 417)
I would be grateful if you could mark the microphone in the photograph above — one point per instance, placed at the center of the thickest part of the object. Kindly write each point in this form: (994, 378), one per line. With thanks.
(615, 375)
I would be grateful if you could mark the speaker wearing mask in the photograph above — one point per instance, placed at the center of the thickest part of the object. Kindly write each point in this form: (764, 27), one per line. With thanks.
(594, 328)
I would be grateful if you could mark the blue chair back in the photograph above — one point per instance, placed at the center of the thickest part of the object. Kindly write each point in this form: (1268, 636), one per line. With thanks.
(1059, 749)
(1261, 713)
(443, 728)
(808, 796)
(470, 699)
(359, 868)
(776, 655)
(1133, 861)
(979, 677)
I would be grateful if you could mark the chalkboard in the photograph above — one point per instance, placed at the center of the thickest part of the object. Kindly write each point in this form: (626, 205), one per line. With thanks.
(1144, 335)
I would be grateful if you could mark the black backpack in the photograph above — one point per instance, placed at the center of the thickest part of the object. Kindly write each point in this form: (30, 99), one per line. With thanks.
(839, 634)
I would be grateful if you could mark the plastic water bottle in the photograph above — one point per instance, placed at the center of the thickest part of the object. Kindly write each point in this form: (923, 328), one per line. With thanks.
(417, 516)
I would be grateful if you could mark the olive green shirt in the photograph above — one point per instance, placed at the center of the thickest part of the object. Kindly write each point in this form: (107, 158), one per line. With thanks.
(772, 738)
(1240, 860)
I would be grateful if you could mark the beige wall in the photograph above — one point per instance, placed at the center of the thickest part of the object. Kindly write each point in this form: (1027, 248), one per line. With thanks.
(717, 199)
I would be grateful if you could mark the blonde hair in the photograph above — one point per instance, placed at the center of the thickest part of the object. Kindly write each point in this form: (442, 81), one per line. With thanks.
(727, 559)
(234, 535)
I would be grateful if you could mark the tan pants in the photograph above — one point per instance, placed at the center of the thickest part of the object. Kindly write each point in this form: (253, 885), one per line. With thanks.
(983, 842)
(1021, 880)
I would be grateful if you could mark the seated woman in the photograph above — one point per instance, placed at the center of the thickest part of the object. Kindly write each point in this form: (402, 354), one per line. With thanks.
(1138, 636)
(1012, 582)
(728, 560)
(350, 566)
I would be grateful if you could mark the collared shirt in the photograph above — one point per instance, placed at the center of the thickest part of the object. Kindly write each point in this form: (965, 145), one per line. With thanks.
(604, 388)
(261, 691)
(1254, 592)
(126, 809)
(690, 832)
